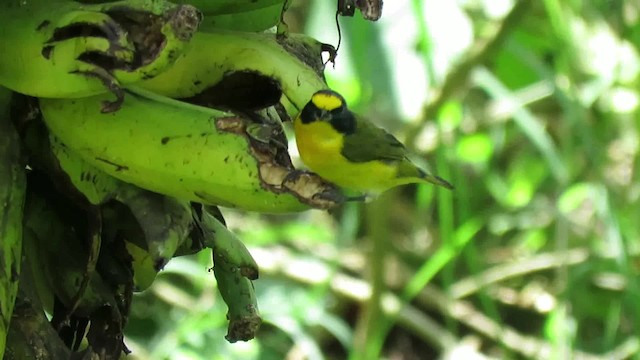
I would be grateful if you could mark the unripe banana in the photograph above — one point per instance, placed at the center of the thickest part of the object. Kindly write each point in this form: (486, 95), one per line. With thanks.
(225, 244)
(144, 269)
(217, 7)
(254, 20)
(238, 15)
(12, 193)
(188, 152)
(31, 335)
(290, 65)
(66, 49)
(165, 221)
(55, 251)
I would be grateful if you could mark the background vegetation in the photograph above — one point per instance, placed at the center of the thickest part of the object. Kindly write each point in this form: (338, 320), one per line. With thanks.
(530, 108)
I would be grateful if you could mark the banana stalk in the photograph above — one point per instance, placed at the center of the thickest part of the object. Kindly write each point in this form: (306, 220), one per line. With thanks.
(12, 193)
(188, 152)
(66, 49)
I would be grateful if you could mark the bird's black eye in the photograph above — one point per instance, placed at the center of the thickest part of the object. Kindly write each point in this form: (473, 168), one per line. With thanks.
(310, 113)
(343, 121)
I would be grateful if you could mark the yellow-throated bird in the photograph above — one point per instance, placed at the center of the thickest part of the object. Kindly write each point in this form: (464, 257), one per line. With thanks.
(350, 151)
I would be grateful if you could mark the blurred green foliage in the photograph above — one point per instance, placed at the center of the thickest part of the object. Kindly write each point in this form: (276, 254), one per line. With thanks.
(531, 110)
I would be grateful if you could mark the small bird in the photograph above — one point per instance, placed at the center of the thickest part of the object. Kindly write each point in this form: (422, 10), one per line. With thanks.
(351, 152)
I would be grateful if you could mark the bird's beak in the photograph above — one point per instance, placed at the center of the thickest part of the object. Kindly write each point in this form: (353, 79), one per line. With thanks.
(325, 115)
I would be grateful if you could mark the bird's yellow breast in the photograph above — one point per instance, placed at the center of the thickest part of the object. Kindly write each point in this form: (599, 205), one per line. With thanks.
(320, 147)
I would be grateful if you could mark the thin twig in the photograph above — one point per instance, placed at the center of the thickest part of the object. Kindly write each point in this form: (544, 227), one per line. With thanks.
(470, 285)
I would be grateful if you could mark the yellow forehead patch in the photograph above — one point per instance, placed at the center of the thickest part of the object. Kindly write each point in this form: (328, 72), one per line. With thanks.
(326, 101)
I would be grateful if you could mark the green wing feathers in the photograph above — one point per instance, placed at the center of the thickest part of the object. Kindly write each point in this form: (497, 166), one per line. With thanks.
(370, 143)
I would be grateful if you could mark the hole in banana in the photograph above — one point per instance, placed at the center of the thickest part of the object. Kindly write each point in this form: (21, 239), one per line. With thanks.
(240, 91)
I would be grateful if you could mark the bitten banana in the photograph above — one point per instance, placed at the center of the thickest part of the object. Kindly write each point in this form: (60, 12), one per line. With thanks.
(188, 152)
(289, 65)
(66, 49)
(12, 193)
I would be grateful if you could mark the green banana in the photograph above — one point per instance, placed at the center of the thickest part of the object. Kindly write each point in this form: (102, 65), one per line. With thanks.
(274, 68)
(253, 20)
(57, 259)
(218, 7)
(57, 255)
(66, 49)
(143, 265)
(12, 194)
(165, 222)
(31, 336)
(234, 254)
(184, 151)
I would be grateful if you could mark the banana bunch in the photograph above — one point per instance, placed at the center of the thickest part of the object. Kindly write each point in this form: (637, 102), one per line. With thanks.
(118, 187)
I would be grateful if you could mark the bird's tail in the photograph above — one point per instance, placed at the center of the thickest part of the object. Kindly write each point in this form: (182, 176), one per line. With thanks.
(434, 179)
(409, 170)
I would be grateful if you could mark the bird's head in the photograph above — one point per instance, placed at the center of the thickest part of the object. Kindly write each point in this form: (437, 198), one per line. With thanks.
(329, 106)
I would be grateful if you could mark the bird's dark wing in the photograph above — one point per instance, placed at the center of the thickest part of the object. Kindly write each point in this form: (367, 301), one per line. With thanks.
(370, 142)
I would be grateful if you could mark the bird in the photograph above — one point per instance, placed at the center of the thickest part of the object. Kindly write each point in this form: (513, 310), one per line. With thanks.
(350, 151)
